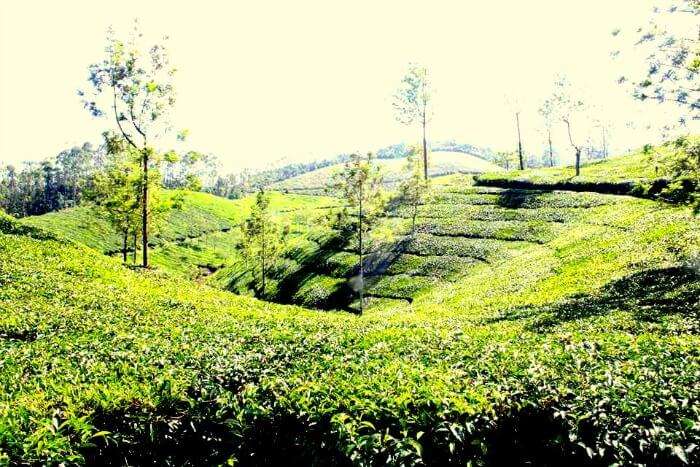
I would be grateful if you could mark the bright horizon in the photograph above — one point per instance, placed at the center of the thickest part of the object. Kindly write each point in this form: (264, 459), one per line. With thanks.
(268, 83)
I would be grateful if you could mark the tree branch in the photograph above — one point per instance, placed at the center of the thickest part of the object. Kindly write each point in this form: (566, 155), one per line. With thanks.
(568, 129)
(116, 114)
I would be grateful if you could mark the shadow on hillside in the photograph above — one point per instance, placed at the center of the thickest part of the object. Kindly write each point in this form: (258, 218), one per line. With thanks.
(649, 295)
(377, 262)
(522, 434)
(515, 199)
(310, 265)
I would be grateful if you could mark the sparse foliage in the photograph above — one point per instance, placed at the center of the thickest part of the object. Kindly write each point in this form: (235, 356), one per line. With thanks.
(570, 108)
(413, 189)
(359, 183)
(262, 238)
(506, 159)
(412, 104)
(136, 88)
(672, 43)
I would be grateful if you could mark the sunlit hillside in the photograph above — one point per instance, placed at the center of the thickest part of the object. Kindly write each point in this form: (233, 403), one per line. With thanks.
(441, 163)
(356, 234)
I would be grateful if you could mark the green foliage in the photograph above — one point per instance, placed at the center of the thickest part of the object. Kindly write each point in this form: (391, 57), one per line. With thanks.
(413, 97)
(394, 170)
(195, 239)
(412, 190)
(564, 352)
(318, 291)
(49, 185)
(138, 88)
(116, 196)
(261, 239)
(360, 186)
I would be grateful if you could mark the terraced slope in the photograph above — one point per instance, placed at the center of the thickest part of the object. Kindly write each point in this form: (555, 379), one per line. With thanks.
(572, 346)
(460, 228)
(441, 163)
(194, 240)
(646, 172)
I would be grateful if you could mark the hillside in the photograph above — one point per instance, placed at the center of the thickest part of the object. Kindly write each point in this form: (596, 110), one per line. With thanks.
(575, 340)
(197, 238)
(515, 326)
(440, 163)
(663, 171)
(460, 229)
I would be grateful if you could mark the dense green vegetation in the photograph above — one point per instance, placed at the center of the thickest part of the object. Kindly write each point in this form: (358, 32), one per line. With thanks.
(197, 238)
(429, 308)
(516, 325)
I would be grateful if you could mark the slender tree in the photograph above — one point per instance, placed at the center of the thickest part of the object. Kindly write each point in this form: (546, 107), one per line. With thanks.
(262, 238)
(412, 104)
(547, 113)
(520, 142)
(137, 90)
(569, 107)
(360, 184)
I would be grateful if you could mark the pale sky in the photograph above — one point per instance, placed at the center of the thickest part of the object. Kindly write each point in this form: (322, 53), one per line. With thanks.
(263, 81)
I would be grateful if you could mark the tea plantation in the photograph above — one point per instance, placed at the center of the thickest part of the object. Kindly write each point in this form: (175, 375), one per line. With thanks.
(196, 238)
(668, 172)
(514, 327)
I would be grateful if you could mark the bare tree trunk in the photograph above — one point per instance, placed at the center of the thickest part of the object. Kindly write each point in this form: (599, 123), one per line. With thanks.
(578, 161)
(551, 151)
(520, 142)
(576, 148)
(413, 221)
(605, 145)
(425, 150)
(362, 276)
(133, 255)
(144, 212)
(126, 235)
(262, 265)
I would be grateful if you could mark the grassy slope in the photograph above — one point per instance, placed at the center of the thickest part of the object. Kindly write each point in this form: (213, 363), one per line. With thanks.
(200, 236)
(582, 345)
(441, 163)
(637, 167)
(458, 227)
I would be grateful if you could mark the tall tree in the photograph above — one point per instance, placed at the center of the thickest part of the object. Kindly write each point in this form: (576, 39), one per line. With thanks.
(520, 142)
(262, 238)
(140, 92)
(412, 104)
(359, 182)
(546, 110)
(514, 105)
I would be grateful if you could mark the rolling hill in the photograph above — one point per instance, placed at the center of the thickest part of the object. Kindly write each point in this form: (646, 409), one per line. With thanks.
(521, 326)
(194, 240)
(440, 163)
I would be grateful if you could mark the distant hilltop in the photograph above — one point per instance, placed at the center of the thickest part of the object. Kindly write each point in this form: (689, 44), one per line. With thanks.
(394, 151)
